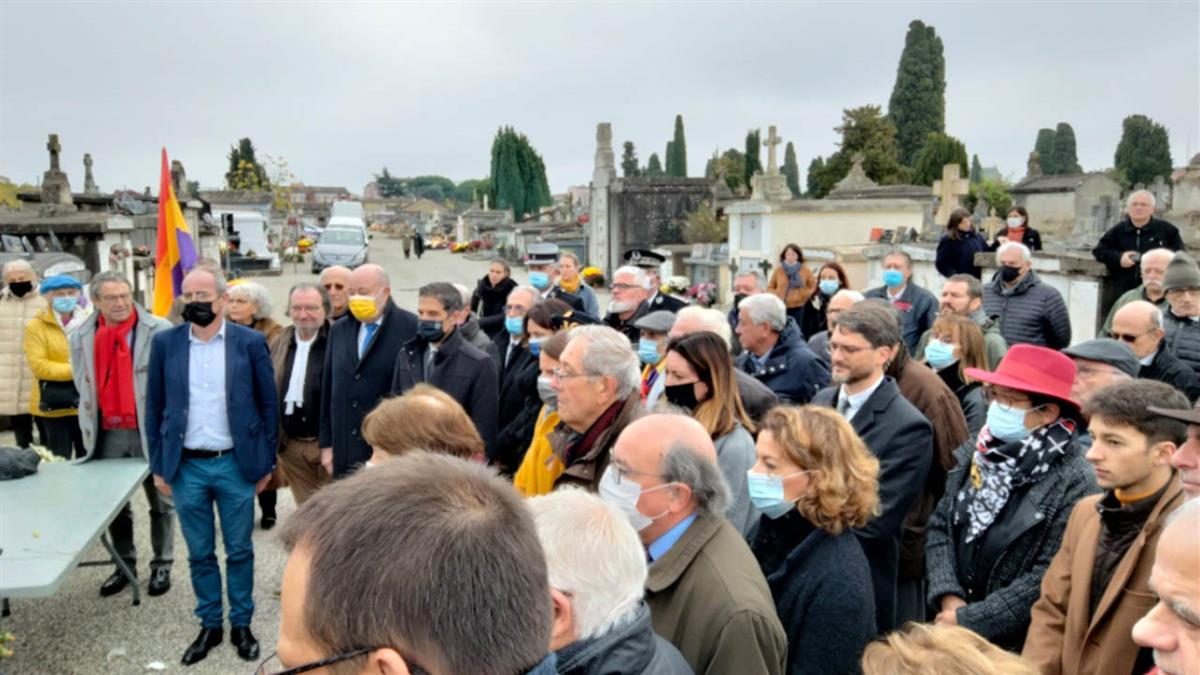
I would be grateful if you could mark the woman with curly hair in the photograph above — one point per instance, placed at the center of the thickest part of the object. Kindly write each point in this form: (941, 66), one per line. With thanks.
(814, 481)
(946, 650)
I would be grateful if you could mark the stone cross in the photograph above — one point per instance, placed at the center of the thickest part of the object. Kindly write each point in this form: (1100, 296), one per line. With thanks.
(89, 183)
(1162, 194)
(54, 149)
(770, 142)
(948, 190)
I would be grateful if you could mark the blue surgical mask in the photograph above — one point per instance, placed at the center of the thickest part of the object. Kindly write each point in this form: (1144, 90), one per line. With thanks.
(535, 346)
(893, 278)
(539, 280)
(64, 304)
(766, 493)
(648, 350)
(938, 354)
(1006, 422)
(830, 286)
(515, 325)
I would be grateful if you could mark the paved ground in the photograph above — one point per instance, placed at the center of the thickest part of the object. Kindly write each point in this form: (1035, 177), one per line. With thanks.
(77, 631)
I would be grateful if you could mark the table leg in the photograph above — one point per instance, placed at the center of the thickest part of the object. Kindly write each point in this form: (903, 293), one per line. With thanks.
(133, 580)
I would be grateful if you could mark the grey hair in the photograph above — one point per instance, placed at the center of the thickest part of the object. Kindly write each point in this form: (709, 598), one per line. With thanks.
(639, 275)
(856, 296)
(19, 265)
(898, 253)
(254, 292)
(445, 293)
(533, 292)
(712, 320)
(108, 277)
(214, 271)
(592, 553)
(1129, 199)
(310, 286)
(1026, 254)
(1155, 316)
(877, 321)
(765, 308)
(609, 353)
(760, 281)
(465, 293)
(682, 464)
(1166, 253)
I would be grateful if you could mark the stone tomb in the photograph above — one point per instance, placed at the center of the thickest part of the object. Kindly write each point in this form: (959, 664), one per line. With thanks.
(1070, 207)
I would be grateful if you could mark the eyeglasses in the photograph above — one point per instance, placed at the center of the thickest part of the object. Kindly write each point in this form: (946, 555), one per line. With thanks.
(1005, 400)
(124, 297)
(273, 666)
(1130, 338)
(1178, 292)
(561, 374)
(334, 287)
(517, 309)
(624, 287)
(1088, 372)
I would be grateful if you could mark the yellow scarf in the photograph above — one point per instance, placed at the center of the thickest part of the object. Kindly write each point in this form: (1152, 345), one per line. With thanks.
(569, 286)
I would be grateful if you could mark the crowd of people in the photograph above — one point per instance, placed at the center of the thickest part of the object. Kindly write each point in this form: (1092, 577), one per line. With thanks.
(822, 480)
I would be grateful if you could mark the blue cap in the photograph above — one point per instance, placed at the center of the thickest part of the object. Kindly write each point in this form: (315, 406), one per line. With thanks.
(59, 281)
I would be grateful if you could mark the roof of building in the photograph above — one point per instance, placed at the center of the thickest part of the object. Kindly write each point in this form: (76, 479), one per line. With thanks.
(1066, 182)
(318, 188)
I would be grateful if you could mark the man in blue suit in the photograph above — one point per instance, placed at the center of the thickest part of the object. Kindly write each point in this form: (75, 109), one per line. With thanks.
(211, 426)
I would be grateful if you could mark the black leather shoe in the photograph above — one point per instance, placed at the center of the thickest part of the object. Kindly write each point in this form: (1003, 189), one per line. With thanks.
(208, 638)
(160, 581)
(267, 522)
(115, 583)
(243, 639)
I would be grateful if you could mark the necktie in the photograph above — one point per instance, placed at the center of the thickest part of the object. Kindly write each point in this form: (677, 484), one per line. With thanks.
(844, 407)
(508, 355)
(429, 353)
(370, 328)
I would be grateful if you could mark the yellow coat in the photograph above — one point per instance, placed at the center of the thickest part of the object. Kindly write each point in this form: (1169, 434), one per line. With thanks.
(540, 468)
(49, 358)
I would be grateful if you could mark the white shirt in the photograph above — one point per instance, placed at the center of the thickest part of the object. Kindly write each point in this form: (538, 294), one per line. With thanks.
(856, 401)
(294, 398)
(208, 415)
(894, 298)
(1149, 359)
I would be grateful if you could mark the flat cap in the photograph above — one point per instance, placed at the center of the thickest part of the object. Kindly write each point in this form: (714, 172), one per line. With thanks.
(1106, 350)
(658, 322)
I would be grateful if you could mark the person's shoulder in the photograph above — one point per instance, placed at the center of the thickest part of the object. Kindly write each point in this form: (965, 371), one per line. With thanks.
(877, 292)
(470, 352)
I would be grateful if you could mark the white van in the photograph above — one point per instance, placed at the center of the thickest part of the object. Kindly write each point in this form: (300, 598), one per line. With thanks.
(348, 221)
(349, 209)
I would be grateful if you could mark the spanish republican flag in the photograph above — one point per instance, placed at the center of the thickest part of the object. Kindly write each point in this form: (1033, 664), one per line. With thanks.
(176, 252)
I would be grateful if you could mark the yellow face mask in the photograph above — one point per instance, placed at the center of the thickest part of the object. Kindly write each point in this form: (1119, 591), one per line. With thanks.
(363, 307)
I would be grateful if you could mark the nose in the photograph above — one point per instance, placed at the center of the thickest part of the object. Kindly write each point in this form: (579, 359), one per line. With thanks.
(1149, 632)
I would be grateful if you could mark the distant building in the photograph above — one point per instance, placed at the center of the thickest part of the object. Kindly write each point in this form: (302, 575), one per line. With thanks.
(371, 190)
(314, 194)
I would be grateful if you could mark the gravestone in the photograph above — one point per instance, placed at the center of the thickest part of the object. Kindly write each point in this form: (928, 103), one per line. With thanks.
(855, 181)
(772, 186)
(948, 189)
(56, 188)
(981, 210)
(1186, 197)
(603, 176)
(1162, 195)
(179, 180)
(89, 183)
(1033, 168)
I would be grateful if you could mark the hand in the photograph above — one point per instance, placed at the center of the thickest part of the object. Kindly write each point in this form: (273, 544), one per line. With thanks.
(1002, 240)
(327, 460)
(162, 485)
(949, 614)
(262, 484)
(1127, 259)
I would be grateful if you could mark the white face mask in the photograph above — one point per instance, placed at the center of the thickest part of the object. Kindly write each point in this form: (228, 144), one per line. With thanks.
(1016, 221)
(624, 494)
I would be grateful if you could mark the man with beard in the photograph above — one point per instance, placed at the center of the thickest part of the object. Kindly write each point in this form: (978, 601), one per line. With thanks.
(631, 288)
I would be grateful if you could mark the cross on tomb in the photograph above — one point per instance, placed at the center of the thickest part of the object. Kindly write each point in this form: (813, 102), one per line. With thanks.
(948, 190)
(771, 141)
(54, 149)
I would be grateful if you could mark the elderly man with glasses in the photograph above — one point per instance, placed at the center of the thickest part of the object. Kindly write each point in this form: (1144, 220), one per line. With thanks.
(1182, 323)
(1140, 325)
(631, 290)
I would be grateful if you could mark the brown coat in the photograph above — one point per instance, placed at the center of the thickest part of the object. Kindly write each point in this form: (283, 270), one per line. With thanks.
(708, 597)
(794, 297)
(1062, 639)
(587, 471)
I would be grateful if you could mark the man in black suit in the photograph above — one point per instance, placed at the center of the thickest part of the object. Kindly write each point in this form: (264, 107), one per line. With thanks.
(517, 368)
(651, 263)
(440, 356)
(359, 362)
(863, 342)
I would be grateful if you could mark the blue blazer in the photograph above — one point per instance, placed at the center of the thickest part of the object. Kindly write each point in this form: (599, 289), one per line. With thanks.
(250, 399)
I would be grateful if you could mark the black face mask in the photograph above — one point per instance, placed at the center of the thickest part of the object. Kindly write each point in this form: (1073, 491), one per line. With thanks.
(199, 313)
(737, 300)
(430, 330)
(20, 288)
(1009, 274)
(682, 395)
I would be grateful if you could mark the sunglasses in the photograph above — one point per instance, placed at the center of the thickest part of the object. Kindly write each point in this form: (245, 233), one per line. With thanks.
(1130, 338)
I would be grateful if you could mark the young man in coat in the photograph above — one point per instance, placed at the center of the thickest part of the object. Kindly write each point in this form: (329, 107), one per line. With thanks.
(917, 305)
(863, 343)
(359, 363)
(213, 418)
(440, 356)
(1120, 248)
(1095, 589)
(110, 354)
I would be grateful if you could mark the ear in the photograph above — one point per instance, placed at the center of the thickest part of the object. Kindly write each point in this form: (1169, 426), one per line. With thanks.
(681, 497)
(562, 630)
(888, 353)
(386, 661)
(1161, 452)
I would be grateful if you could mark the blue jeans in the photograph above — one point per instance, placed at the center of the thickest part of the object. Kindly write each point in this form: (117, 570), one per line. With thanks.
(199, 483)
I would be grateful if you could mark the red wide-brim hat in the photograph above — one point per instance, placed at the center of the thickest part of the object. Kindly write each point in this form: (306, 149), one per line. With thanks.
(1033, 370)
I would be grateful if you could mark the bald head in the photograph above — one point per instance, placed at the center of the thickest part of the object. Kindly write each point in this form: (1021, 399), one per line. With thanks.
(1139, 324)
(654, 434)
(369, 282)
(840, 302)
(336, 281)
(694, 319)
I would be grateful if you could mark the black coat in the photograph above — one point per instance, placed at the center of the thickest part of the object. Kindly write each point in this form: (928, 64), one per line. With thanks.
(662, 301)
(822, 589)
(902, 439)
(792, 370)
(957, 256)
(815, 318)
(918, 307)
(519, 404)
(757, 398)
(1124, 237)
(632, 332)
(487, 302)
(1183, 339)
(303, 422)
(631, 648)
(460, 369)
(573, 301)
(1032, 238)
(351, 388)
(1169, 369)
(1032, 313)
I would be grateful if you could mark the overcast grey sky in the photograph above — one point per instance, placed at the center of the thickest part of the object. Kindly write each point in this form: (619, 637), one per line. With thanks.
(342, 89)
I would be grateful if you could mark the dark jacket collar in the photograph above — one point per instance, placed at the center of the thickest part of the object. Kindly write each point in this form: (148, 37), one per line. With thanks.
(626, 648)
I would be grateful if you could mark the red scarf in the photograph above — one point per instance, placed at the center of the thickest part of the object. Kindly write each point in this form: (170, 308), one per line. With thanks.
(114, 374)
(1016, 234)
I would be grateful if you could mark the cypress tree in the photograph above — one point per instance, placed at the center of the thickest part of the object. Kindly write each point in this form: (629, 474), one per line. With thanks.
(1045, 150)
(1144, 152)
(518, 174)
(791, 169)
(753, 165)
(677, 151)
(1064, 149)
(918, 103)
(938, 151)
(813, 180)
(669, 170)
(629, 161)
(976, 169)
(653, 165)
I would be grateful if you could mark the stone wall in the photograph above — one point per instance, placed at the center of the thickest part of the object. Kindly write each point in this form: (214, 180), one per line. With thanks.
(646, 212)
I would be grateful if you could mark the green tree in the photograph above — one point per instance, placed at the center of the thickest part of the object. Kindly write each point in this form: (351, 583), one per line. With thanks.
(518, 174)
(918, 103)
(703, 226)
(995, 191)
(1144, 152)
(653, 166)
(976, 169)
(791, 169)
(471, 191)
(864, 129)
(677, 151)
(753, 164)
(245, 173)
(390, 187)
(1064, 150)
(730, 164)
(813, 186)
(1044, 147)
(629, 161)
(938, 151)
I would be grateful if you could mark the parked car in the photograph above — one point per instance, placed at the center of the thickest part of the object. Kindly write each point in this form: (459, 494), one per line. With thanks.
(346, 246)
